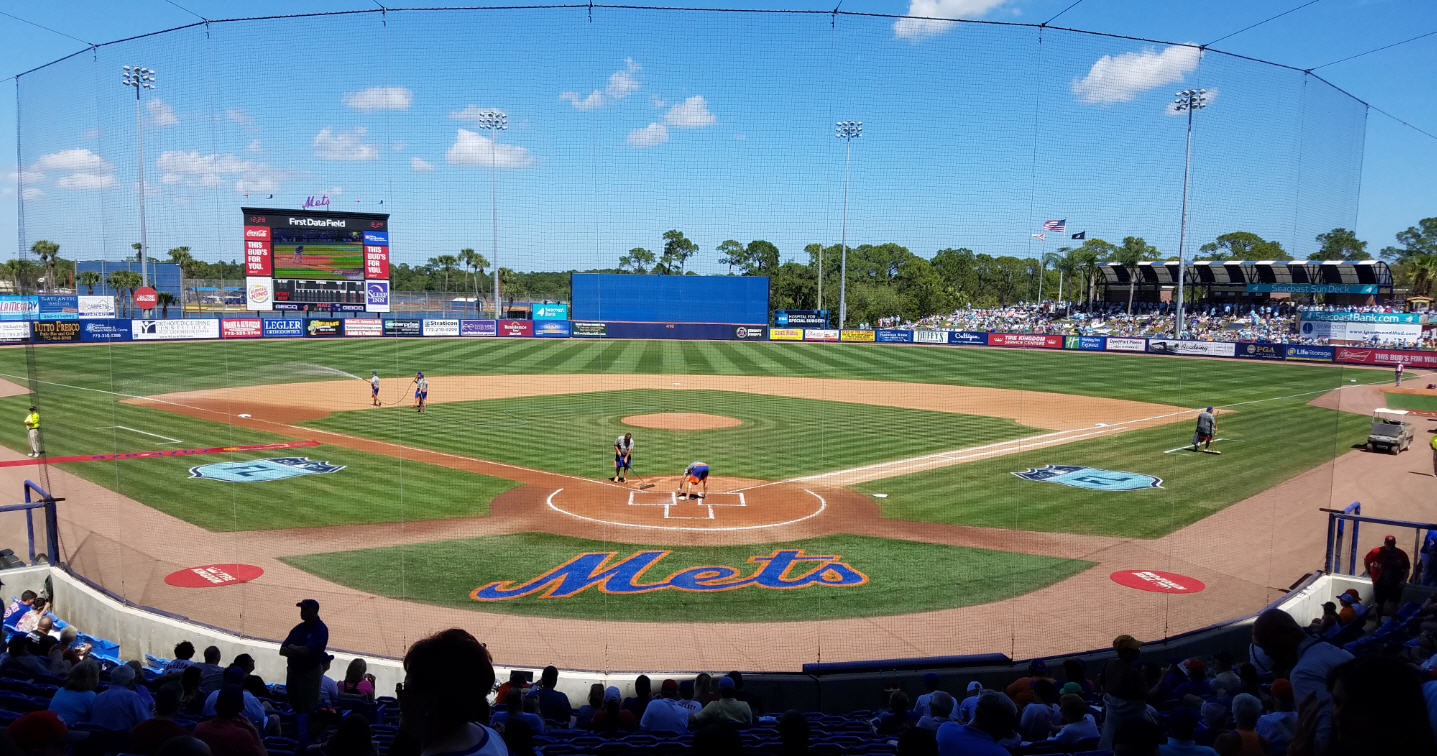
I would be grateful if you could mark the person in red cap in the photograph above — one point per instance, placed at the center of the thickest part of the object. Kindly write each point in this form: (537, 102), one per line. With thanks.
(39, 733)
(1388, 567)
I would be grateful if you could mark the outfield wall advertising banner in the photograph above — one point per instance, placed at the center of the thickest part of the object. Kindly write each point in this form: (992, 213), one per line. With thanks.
(800, 318)
(478, 328)
(552, 328)
(785, 334)
(852, 335)
(748, 333)
(16, 331)
(95, 307)
(1362, 331)
(588, 330)
(1092, 343)
(1037, 340)
(1385, 357)
(55, 331)
(103, 330)
(440, 327)
(820, 334)
(1260, 350)
(893, 336)
(363, 327)
(278, 328)
(930, 337)
(551, 311)
(325, 328)
(968, 338)
(154, 330)
(1345, 316)
(14, 307)
(1310, 353)
(1192, 348)
(402, 328)
(1122, 344)
(516, 328)
(241, 328)
(59, 307)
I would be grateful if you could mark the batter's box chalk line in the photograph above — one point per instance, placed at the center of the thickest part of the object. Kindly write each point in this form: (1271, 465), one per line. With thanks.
(686, 509)
(556, 507)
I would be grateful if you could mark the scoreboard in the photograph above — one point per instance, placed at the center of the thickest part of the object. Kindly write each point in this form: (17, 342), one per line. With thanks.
(311, 260)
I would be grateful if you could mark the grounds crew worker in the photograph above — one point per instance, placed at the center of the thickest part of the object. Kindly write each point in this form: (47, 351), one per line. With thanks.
(32, 429)
(1434, 455)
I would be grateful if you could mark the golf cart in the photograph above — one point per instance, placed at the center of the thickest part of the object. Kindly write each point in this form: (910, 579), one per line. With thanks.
(1390, 432)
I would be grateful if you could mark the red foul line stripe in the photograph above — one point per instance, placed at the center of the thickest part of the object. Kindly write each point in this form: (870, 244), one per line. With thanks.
(159, 453)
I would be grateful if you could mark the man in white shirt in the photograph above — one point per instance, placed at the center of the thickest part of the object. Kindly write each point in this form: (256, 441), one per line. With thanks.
(623, 453)
(666, 713)
(1308, 660)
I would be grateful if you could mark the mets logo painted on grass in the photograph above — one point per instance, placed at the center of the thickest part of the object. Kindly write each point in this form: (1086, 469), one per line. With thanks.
(257, 470)
(1091, 478)
(784, 569)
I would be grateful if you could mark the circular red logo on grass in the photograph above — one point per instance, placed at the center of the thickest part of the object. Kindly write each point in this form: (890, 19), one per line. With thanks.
(1157, 581)
(213, 575)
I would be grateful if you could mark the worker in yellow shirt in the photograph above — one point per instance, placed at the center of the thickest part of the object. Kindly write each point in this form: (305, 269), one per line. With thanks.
(1434, 456)
(32, 429)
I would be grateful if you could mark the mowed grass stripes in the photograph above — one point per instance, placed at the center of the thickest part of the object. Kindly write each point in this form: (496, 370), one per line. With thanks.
(778, 438)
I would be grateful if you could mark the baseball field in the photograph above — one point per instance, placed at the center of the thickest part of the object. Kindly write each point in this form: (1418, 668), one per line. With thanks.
(851, 483)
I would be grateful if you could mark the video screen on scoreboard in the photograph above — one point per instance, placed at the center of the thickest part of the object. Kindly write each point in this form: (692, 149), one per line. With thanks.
(316, 260)
(318, 254)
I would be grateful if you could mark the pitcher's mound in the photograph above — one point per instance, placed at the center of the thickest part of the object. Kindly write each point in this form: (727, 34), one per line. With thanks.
(680, 421)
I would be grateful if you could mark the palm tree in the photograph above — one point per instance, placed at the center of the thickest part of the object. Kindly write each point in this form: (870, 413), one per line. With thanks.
(48, 252)
(181, 256)
(164, 299)
(1061, 263)
(124, 282)
(447, 264)
(1424, 271)
(88, 279)
(1133, 251)
(476, 263)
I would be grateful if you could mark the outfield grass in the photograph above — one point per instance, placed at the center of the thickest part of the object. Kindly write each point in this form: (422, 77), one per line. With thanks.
(903, 577)
(779, 438)
(1267, 444)
(372, 487)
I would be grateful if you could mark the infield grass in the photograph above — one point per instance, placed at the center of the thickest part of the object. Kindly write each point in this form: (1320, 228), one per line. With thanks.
(903, 577)
(779, 438)
(1411, 401)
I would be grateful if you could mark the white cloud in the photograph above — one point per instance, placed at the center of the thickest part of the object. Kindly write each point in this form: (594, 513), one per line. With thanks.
(932, 13)
(31, 193)
(254, 146)
(86, 180)
(658, 102)
(472, 148)
(74, 159)
(343, 145)
(239, 116)
(689, 114)
(161, 114)
(420, 165)
(379, 98)
(648, 136)
(1120, 78)
(29, 177)
(211, 170)
(622, 83)
(1208, 96)
(399, 146)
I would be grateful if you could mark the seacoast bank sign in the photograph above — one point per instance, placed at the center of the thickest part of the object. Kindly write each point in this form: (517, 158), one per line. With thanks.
(784, 569)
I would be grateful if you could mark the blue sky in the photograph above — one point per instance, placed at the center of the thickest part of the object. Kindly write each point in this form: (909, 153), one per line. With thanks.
(720, 125)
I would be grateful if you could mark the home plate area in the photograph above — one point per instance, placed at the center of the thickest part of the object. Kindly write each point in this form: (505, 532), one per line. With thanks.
(679, 508)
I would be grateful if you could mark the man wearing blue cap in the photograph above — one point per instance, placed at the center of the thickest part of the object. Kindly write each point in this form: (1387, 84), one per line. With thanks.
(304, 647)
(421, 392)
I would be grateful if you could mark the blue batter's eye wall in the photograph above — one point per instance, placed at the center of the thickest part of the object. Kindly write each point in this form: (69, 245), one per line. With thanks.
(669, 299)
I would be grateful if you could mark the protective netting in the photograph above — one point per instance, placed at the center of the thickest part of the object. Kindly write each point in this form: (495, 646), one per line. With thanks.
(624, 123)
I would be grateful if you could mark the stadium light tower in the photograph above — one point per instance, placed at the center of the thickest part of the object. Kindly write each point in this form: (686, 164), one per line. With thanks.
(847, 131)
(141, 79)
(1187, 100)
(494, 121)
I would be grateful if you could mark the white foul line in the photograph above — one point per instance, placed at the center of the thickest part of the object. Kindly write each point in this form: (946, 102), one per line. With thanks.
(1189, 446)
(137, 430)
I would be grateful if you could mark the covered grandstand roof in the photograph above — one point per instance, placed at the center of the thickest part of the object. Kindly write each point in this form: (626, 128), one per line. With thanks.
(1254, 272)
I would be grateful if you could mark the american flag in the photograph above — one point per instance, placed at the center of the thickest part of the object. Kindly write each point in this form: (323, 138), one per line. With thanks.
(1055, 225)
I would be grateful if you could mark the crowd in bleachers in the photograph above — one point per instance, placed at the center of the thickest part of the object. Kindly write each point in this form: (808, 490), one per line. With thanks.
(1354, 681)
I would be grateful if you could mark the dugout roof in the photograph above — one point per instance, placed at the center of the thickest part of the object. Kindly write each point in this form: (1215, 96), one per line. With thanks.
(1244, 272)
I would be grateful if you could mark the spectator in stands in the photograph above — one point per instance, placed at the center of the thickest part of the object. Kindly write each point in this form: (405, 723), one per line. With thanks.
(726, 708)
(1377, 708)
(744, 694)
(1076, 671)
(68, 652)
(437, 703)
(184, 657)
(1196, 688)
(257, 692)
(686, 697)
(19, 606)
(584, 716)
(514, 711)
(119, 707)
(253, 709)
(31, 619)
(643, 691)
(964, 712)
(1021, 690)
(518, 678)
(304, 649)
(328, 686)
(212, 675)
(1041, 718)
(38, 733)
(554, 705)
(1124, 690)
(245, 662)
(1140, 737)
(1276, 727)
(704, 689)
(1246, 709)
(720, 738)
(19, 663)
(994, 719)
(76, 699)
(353, 737)
(917, 741)
(229, 732)
(665, 713)
(43, 638)
(794, 734)
(1078, 725)
(1429, 555)
(519, 738)
(1328, 623)
(612, 716)
(357, 680)
(1306, 661)
(896, 719)
(1182, 728)
(930, 686)
(1389, 568)
(940, 709)
(192, 701)
(147, 736)
(1222, 675)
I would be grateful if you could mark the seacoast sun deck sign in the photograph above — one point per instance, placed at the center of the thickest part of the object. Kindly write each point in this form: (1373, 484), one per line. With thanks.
(784, 569)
